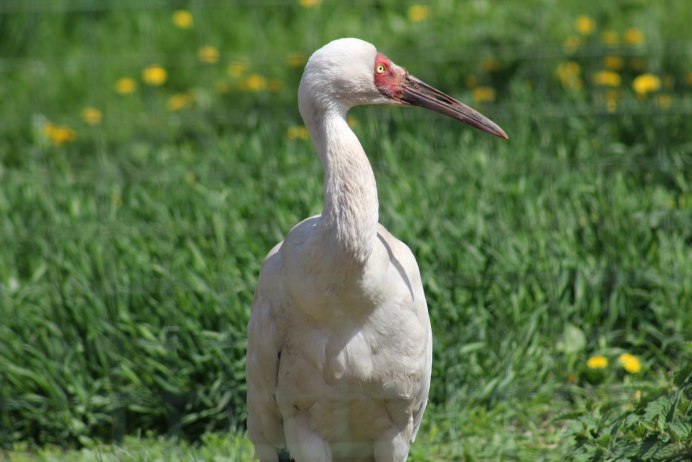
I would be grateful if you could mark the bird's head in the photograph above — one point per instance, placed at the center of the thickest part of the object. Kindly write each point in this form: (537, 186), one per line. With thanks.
(349, 72)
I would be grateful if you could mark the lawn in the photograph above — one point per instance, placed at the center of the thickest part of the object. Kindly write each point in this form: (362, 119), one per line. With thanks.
(151, 153)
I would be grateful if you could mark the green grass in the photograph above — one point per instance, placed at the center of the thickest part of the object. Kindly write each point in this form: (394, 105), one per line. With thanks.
(129, 255)
(213, 447)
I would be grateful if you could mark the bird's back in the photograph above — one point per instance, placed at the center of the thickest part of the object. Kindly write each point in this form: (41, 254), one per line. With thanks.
(342, 356)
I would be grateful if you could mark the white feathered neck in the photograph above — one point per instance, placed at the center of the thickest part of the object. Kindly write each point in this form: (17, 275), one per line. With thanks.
(335, 79)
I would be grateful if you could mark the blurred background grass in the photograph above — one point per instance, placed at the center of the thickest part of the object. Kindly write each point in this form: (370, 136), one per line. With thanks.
(151, 153)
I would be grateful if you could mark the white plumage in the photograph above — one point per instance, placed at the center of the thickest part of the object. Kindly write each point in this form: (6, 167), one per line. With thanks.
(339, 340)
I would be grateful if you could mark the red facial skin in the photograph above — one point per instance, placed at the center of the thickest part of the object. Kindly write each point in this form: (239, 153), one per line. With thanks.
(388, 76)
(402, 88)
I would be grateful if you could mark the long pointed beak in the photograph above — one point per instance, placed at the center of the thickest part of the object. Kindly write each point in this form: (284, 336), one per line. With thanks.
(418, 93)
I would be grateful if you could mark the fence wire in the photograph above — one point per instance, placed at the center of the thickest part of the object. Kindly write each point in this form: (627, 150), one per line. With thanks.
(58, 84)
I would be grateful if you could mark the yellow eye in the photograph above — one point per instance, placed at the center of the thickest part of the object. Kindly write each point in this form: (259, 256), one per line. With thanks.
(380, 68)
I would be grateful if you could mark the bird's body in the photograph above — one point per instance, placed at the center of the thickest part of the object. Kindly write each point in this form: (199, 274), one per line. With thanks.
(356, 350)
(339, 340)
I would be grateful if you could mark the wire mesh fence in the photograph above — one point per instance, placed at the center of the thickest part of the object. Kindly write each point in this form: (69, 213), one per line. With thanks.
(106, 104)
(66, 79)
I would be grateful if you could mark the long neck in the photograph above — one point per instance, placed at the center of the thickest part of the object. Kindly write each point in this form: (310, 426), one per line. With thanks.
(348, 225)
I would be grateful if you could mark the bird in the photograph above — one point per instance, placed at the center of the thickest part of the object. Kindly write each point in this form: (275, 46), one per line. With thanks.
(339, 352)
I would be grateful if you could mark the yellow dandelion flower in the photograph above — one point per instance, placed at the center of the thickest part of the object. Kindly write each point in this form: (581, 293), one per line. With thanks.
(299, 132)
(49, 130)
(59, 135)
(237, 68)
(646, 83)
(208, 54)
(607, 78)
(418, 13)
(585, 25)
(295, 59)
(483, 94)
(154, 75)
(572, 43)
(630, 363)
(609, 37)
(309, 3)
(569, 75)
(182, 19)
(125, 85)
(633, 36)
(179, 101)
(91, 115)
(254, 82)
(614, 63)
(597, 362)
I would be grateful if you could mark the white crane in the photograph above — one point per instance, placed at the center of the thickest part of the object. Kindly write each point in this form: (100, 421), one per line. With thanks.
(339, 341)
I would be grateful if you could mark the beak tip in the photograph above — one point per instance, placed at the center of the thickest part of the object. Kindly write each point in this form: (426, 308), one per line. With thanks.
(497, 131)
